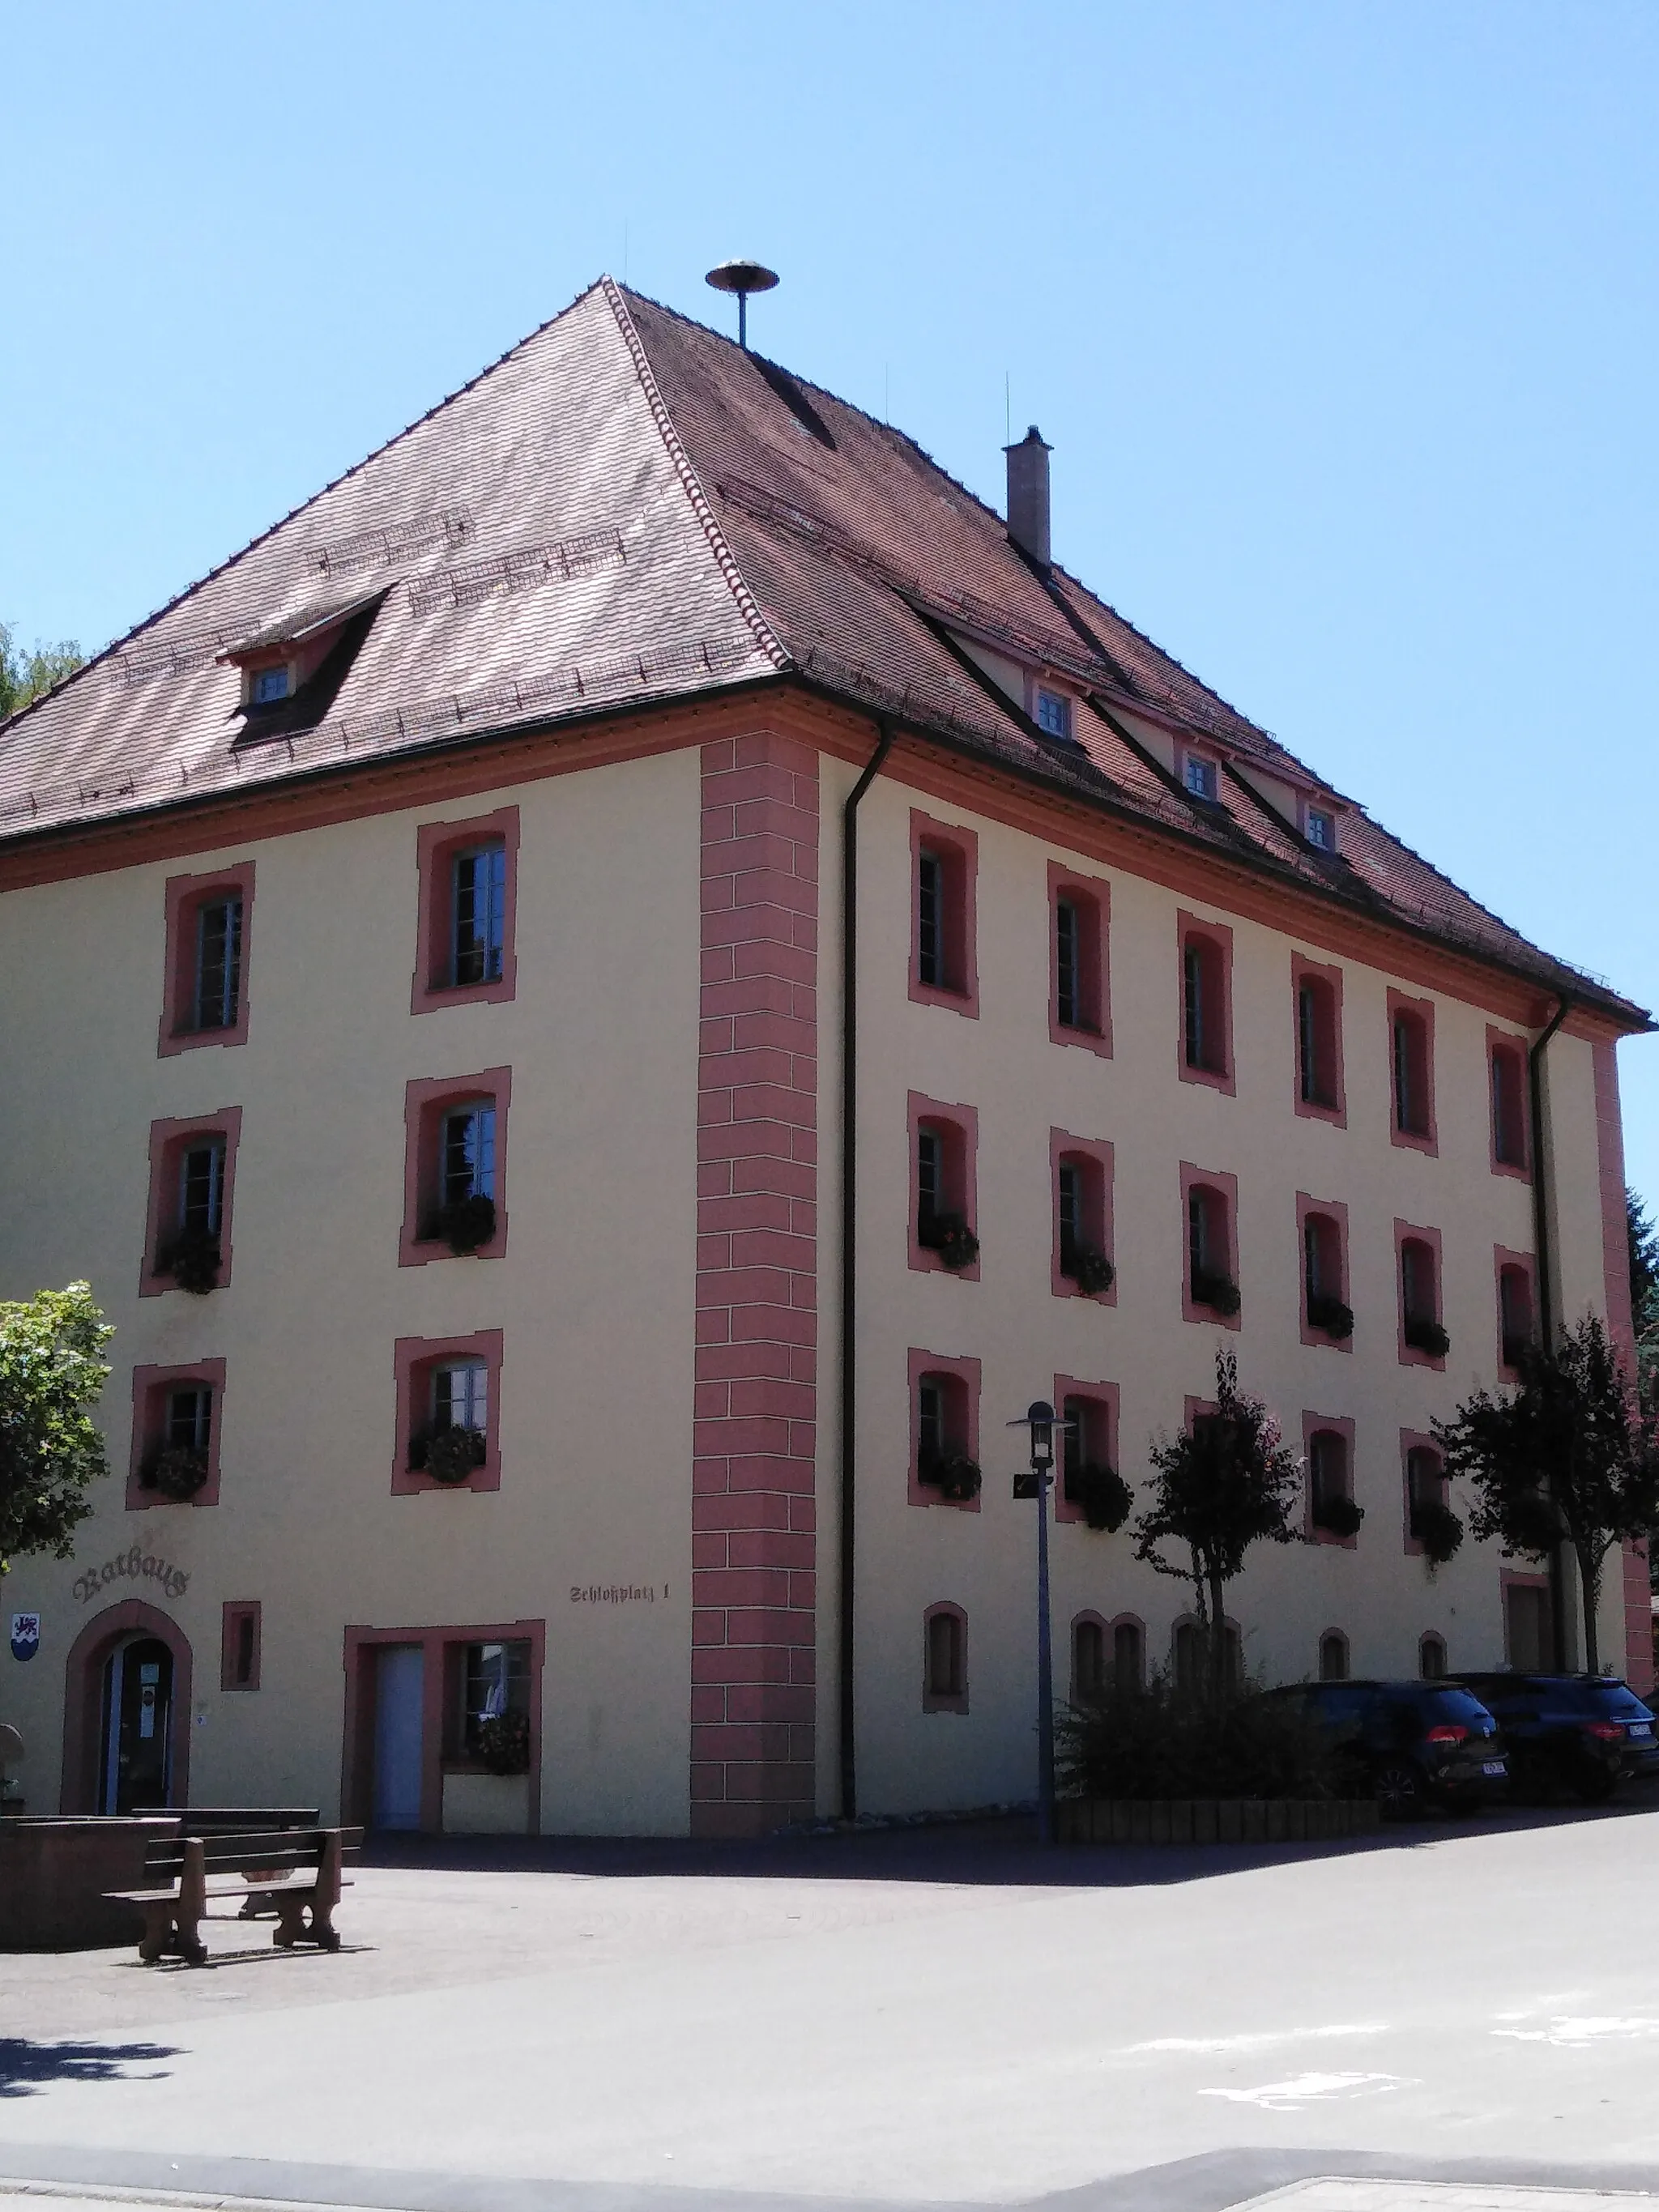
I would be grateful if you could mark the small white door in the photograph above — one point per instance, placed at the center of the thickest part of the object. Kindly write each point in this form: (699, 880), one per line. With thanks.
(399, 1687)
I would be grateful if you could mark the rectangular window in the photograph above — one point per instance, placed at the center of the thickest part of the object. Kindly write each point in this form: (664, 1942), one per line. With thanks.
(1317, 1006)
(448, 1413)
(1321, 829)
(202, 1187)
(209, 920)
(1202, 777)
(930, 922)
(267, 685)
(944, 1662)
(1053, 713)
(1328, 1448)
(454, 1168)
(942, 1223)
(492, 1727)
(177, 1418)
(218, 964)
(1210, 1279)
(1082, 1258)
(468, 875)
(1068, 974)
(1327, 1317)
(1515, 1326)
(239, 1647)
(1424, 1341)
(944, 1412)
(1509, 1105)
(1206, 1053)
(1079, 1007)
(478, 912)
(1411, 1023)
(943, 965)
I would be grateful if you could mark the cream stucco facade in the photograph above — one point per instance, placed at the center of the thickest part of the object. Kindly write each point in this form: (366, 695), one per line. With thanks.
(594, 1534)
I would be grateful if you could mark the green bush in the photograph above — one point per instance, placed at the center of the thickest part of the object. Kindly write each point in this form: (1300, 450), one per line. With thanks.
(1159, 1742)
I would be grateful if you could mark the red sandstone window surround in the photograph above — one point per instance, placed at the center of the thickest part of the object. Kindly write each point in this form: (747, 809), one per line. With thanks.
(944, 1189)
(239, 1644)
(455, 1167)
(1322, 1234)
(1411, 1064)
(468, 909)
(447, 1384)
(1079, 980)
(1328, 1446)
(1422, 1339)
(943, 1432)
(439, 1666)
(178, 1415)
(1204, 1047)
(1517, 1309)
(192, 1186)
(944, 1659)
(1506, 1058)
(1209, 1207)
(209, 942)
(944, 868)
(1088, 1439)
(1080, 1260)
(1321, 1093)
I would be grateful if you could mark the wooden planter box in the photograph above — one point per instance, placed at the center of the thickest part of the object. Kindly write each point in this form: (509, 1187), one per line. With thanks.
(54, 1874)
(1215, 1819)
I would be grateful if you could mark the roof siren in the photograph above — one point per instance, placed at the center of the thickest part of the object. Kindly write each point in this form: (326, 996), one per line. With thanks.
(741, 277)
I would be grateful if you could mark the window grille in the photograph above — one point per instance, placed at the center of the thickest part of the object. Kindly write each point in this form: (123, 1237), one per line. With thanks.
(190, 1416)
(460, 1395)
(468, 1165)
(478, 912)
(202, 1188)
(1068, 965)
(930, 920)
(1202, 778)
(1054, 714)
(494, 1681)
(218, 964)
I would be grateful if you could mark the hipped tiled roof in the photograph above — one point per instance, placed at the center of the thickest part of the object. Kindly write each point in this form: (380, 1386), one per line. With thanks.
(626, 508)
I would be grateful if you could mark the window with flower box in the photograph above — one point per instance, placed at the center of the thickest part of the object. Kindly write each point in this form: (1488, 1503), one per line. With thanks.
(1327, 1316)
(1210, 1289)
(455, 1167)
(177, 1418)
(448, 1412)
(1424, 1341)
(943, 1432)
(192, 1180)
(943, 1140)
(1080, 1262)
(1332, 1516)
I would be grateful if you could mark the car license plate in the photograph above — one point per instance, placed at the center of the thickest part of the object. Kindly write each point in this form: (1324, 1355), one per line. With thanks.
(1492, 1766)
(1641, 1727)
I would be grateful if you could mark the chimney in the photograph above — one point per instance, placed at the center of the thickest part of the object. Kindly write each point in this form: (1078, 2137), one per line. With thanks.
(1028, 495)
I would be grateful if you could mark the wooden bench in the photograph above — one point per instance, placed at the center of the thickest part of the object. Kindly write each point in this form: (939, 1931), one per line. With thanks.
(296, 1870)
(253, 1820)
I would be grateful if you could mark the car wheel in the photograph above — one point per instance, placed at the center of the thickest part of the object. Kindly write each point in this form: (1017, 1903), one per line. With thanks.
(1398, 1790)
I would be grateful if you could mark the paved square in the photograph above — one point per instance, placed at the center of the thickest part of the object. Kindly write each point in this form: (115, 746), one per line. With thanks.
(940, 2019)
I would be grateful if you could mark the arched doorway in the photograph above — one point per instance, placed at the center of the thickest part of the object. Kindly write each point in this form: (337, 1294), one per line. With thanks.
(126, 1712)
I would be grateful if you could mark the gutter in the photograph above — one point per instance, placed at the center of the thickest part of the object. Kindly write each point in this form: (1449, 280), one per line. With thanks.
(1540, 1240)
(849, 1033)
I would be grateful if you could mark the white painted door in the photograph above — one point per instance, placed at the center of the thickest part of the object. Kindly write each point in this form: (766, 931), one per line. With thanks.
(400, 1686)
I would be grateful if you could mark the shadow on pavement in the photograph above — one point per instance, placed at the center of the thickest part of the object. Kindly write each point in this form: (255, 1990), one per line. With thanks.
(998, 1850)
(25, 2066)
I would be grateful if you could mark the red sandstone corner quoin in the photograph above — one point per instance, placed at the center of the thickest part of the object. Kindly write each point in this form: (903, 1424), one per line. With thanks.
(753, 1506)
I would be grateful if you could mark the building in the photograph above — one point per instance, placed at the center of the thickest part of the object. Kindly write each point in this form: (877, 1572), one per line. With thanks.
(431, 1028)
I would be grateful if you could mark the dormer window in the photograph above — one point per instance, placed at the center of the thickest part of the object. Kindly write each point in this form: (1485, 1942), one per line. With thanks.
(1202, 777)
(1053, 713)
(1321, 829)
(267, 685)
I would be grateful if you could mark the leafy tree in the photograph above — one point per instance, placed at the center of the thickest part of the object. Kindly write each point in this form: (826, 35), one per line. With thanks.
(51, 1451)
(1571, 1456)
(25, 675)
(1644, 1234)
(1225, 1484)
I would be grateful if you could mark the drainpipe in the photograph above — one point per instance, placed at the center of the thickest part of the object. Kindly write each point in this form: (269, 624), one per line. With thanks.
(1540, 1240)
(849, 1035)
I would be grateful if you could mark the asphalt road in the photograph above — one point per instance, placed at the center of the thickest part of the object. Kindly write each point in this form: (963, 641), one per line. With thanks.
(939, 2019)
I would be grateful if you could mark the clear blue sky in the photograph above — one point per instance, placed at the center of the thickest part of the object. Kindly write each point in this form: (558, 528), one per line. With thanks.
(1340, 317)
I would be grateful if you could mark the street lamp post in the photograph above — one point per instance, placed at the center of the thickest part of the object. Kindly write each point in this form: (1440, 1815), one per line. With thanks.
(1039, 1418)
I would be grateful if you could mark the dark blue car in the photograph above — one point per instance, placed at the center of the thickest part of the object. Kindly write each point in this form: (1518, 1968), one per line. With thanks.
(1413, 1744)
(1583, 1734)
